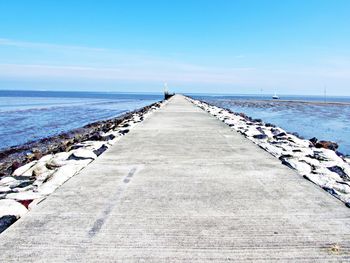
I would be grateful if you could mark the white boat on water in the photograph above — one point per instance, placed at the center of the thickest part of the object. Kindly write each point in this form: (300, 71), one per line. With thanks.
(275, 97)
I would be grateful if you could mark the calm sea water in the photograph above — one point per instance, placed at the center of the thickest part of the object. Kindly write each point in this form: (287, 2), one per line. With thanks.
(326, 121)
(31, 115)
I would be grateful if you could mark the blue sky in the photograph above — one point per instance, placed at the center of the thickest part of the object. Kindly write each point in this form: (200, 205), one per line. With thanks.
(289, 46)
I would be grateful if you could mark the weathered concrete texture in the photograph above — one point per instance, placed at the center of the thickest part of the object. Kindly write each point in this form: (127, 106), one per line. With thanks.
(183, 187)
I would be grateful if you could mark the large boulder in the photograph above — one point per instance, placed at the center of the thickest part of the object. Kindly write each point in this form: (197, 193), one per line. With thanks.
(21, 170)
(83, 154)
(11, 207)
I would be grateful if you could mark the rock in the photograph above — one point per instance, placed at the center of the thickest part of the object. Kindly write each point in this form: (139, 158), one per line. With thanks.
(275, 131)
(6, 221)
(82, 154)
(313, 140)
(279, 135)
(341, 188)
(271, 149)
(21, 196)
(24, 183)
(230, 122)
(15, 165)
(330, 190)
(9, 181)
(5, 189)
(46, 158)
(260, 136)
(37, 155)
(270, 125)
(324, 155)
(302, 167)
(11, 207)
(40, 169)
(312, 162)
(297, 135)
(58, 160)
(62, 175)
(124, 131)
(100, 150)
(340, 171)
(21, 170)
(327, 145)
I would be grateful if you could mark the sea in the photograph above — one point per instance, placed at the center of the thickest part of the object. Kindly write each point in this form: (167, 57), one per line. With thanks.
(326, 118)
(31, 115)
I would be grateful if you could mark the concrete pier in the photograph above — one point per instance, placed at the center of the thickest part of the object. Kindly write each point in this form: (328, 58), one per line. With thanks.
(183, 187)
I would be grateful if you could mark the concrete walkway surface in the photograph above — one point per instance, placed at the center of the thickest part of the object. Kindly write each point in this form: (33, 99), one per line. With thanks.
(183, 187)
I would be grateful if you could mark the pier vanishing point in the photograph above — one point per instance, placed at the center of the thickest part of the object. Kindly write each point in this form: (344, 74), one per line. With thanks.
(183, 187)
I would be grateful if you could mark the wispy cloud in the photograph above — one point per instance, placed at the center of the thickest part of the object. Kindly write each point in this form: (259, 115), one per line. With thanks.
(203, 75)
(79, 63)
(110, 64)
(24, 44)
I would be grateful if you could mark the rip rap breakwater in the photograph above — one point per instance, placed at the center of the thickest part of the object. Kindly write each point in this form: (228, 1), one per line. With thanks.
(53, 161)
(324, 167)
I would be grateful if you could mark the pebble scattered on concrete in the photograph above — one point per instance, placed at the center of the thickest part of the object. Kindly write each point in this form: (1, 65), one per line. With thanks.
(315, 160)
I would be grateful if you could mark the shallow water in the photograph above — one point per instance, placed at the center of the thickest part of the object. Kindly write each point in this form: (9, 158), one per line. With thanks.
(32, 115)
(325, 121)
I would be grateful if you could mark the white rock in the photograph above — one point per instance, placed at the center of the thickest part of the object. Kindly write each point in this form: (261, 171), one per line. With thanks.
(58, 160)
(277, 152)
(318, 179)
(9, 181)
(59, 177)
(302, 167)
(300, 142)
(45, 158)
(326, 173)
(84, 154)
(21, 170)
(38, 168)
(325, 155)
(341, 188)
(11, 207)
(5, 189)
(23, 189)
(311, 161)
(27, 195)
